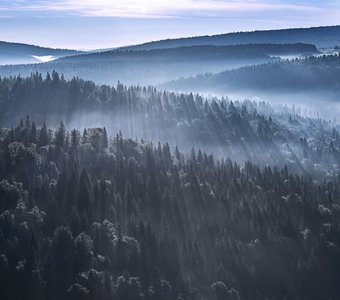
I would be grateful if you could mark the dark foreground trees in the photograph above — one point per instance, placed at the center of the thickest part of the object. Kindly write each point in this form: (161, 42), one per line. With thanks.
(87, 217)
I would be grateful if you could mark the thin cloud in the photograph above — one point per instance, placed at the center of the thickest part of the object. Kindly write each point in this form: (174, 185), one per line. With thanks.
(156, 8)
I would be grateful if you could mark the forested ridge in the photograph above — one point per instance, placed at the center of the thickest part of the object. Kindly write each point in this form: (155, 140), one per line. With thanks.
(158, 65)
(311, 74)
(322, 37)
(207, 52)
(87, 216)
(18, 53)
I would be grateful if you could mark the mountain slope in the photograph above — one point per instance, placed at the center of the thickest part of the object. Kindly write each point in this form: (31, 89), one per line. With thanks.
(91, 217)
(17, 53)
(310, 74)
(322, 37)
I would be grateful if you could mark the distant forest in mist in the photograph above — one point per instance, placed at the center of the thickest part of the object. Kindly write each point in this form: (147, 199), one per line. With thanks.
(312, 74)
(322, 37)
(17, 53)
(156, 66)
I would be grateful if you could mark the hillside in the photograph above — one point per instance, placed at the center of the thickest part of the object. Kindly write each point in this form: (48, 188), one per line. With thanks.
(87, 216)
(156, 66)
(322, 37)
(17, 53)
(104, 205)
(311, 74)
(241, 130)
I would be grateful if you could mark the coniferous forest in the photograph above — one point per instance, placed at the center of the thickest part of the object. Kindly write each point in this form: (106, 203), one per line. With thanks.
(193, 168)
(91, 214)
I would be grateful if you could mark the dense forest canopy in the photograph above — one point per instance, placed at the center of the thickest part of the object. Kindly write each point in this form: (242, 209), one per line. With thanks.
(245, 130)
(87, 216)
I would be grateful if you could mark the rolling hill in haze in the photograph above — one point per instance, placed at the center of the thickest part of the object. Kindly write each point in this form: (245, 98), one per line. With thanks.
(309, 74)
(18, 53)
(311, 83)
(322, 37)
(159, 65)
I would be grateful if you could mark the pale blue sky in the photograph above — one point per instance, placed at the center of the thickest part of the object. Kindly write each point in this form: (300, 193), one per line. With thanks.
(90, 24)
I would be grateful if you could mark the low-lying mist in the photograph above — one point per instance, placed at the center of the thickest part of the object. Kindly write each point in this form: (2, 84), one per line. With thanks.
(311, 84)
(242, 130)
(317, 104)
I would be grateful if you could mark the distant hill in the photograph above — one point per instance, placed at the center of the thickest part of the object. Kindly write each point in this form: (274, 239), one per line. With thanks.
(160, 65)
(203, 51)
(322, 37)
(311, 74)
(17, 53)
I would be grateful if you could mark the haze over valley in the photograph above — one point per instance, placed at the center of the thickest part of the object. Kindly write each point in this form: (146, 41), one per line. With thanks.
(238, 65)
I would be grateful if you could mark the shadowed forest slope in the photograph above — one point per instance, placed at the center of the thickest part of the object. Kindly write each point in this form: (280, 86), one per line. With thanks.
(84, 216)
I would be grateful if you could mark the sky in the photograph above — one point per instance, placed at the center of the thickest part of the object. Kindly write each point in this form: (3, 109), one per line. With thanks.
(98, 24)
